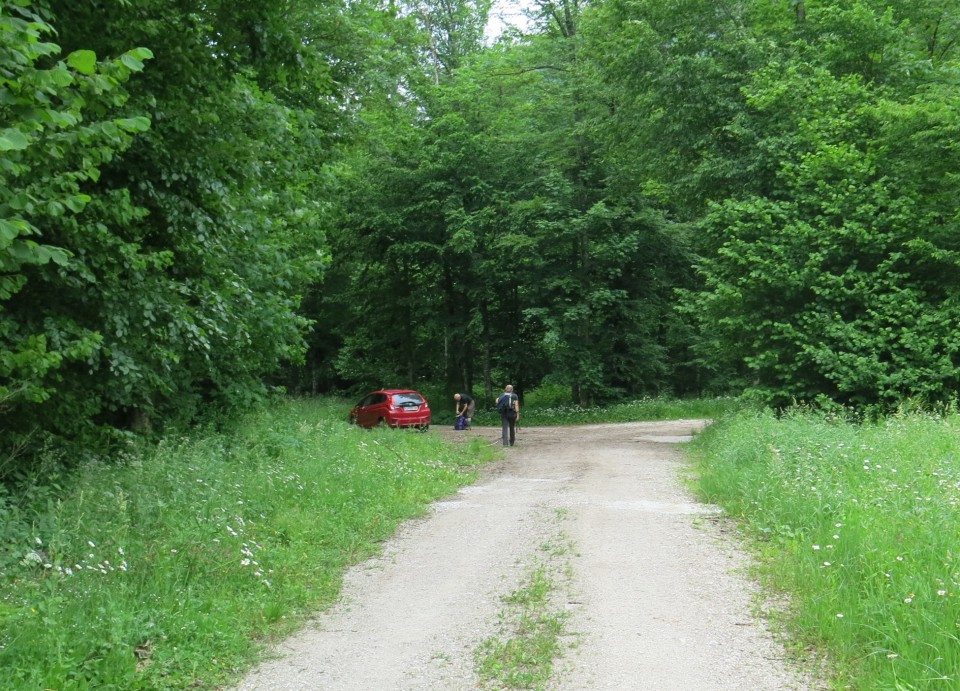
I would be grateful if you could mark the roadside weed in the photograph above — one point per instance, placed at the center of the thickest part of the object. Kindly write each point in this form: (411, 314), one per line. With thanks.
(174, 566)
(531, 627)
(858, 524)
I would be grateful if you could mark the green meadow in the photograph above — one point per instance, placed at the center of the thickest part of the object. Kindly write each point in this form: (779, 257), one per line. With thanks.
(857, 523)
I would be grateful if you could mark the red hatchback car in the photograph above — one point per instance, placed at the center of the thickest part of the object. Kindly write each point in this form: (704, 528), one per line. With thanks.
(392, 408)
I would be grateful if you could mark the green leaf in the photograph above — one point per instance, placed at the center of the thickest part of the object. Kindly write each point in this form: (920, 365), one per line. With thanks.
(13, 139)
(137, 124)
(11, 229)
(24, 251)
(141, 53)
(10, 285)
(83, 61)
(131, 62)
(29, 252)
(44, 48)
(8, 231)
(59, 76)
(57, 255)
(77, 202)
(21, 201)
(61, 119)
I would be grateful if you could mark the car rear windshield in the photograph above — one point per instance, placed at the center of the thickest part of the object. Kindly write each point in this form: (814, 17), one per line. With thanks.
(407, 399)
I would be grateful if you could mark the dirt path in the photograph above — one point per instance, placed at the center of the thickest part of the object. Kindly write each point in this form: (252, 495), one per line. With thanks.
(655, 592)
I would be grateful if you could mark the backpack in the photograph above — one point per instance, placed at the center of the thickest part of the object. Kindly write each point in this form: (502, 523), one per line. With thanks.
(505, 403)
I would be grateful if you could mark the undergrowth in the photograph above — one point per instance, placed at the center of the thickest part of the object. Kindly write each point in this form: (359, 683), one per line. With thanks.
(643, 409)
(171, 567)
(857, 523)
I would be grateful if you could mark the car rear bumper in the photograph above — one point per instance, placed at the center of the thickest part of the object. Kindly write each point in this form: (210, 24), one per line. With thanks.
(419, 421)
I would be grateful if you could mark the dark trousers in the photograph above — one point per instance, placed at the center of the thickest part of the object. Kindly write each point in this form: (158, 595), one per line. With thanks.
(509, 425)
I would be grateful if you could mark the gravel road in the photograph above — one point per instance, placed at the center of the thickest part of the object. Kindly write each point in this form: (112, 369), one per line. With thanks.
(654, 588)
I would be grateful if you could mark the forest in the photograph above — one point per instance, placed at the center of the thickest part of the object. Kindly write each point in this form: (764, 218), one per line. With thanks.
(203, 203)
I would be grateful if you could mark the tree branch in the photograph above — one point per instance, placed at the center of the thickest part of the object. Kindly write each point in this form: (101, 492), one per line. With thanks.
(529, 69)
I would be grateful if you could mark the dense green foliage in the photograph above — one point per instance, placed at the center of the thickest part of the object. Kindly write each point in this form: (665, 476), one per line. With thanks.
(485, 238)
(836, 278)
(171, 569)
(158, 230)
(628, 198)
(531, 214)
(800, 139)
(858, 524)
(62, 121)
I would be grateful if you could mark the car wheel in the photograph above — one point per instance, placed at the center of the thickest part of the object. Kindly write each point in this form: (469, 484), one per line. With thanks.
(381, 423)
(424, 428)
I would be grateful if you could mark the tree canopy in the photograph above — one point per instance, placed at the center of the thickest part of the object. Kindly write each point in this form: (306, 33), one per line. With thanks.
(201, 201)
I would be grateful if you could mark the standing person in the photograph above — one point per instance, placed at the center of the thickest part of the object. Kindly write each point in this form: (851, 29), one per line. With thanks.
(465, 406)
(509, 406)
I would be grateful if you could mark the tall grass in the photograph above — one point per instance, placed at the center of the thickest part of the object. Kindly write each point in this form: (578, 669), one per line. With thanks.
(859, 523)
(171, 568)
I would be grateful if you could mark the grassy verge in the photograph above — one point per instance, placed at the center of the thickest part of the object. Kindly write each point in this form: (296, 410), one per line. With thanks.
(171, 568)
(531, 627)
(858, 524)
(536, 415)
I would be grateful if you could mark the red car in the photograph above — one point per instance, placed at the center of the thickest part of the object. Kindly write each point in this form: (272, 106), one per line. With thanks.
(392, 408)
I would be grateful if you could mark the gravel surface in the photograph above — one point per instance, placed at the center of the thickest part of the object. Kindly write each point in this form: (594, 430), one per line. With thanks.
(656, 592)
